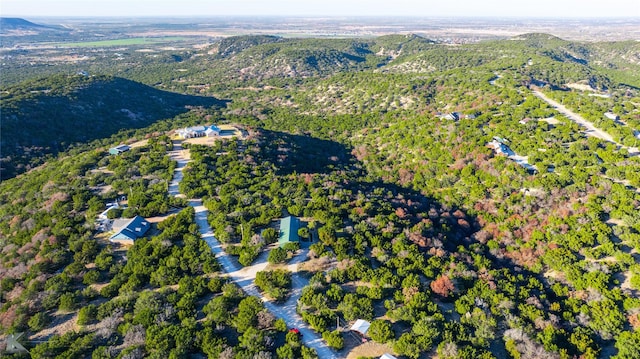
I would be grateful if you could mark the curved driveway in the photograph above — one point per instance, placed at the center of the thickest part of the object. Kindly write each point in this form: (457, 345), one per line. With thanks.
(244, 277)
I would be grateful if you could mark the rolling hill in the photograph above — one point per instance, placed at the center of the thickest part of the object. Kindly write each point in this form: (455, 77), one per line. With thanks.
(16, 23)
(403, 156)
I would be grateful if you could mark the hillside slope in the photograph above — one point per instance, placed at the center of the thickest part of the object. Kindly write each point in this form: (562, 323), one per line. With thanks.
(16, 23)
(49, 115)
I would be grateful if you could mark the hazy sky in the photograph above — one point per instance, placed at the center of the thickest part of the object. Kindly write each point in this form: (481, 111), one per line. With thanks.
(500, 8)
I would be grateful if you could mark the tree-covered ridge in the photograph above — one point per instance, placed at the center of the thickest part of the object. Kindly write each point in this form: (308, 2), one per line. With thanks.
(49, 115)
(161, 297)
(448, 247)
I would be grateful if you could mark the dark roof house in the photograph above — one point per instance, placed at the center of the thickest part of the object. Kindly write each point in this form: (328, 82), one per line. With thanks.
(127, 231)
(289, 230)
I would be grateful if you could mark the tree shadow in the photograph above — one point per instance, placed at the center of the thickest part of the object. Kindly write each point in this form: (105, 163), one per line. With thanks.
(424, 221)
(304, 153)
(38, 124)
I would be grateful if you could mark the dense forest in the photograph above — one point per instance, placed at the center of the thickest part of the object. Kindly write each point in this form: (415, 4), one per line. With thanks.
(382, 146)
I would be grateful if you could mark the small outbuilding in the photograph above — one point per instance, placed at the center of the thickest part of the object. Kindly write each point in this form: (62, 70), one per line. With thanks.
(128, 230)
(111, 206)
(361, 326)
(119, 149)
(611, 116)
(289, 230)
(452, 116)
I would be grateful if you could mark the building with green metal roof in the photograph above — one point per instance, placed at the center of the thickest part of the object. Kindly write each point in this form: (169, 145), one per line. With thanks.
(289, 230)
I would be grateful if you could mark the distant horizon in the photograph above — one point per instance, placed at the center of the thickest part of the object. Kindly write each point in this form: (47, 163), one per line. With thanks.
(539, 9)
(26, 17)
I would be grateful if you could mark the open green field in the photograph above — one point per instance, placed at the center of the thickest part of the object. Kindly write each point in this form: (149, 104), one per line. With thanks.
(121, 42)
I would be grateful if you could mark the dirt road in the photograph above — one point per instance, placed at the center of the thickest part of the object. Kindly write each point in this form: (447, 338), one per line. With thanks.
(591, 129)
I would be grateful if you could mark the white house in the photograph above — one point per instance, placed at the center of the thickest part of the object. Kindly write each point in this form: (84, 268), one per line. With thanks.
(500, 148)
(199, 131)
(128, 230)
(452, 116)
(119, 149)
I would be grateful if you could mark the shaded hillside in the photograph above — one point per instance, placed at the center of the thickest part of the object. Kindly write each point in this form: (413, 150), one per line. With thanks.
(19, 26)
(16, 23)
(49, 115)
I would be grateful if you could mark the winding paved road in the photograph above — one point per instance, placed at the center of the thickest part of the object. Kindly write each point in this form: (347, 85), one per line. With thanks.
(244, 277)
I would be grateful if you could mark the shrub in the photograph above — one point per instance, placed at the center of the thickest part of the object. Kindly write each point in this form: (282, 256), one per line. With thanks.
(87, 314)
(114, 213)
(380, 331)
(270, 235)
(68, 302)
(91, 277)
(38, 321)
(291, 246)
(334, 339)
(277, 255)
(280, 325)
(304, 233)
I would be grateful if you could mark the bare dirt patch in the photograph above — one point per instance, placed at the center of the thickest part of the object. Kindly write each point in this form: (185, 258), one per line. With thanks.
(139, 144)
(62, 323)
(323, 263)
(581, 87)
(369, 349)
(161, 218)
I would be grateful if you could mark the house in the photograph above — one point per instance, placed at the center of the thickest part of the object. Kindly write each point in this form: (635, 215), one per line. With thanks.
(199, 131)
(361, 326)
(192, 132)
(119, 149)
(289, 230)
(128, 230)
(387, 356)
(524, 121)
(453, 116)
(611, 116)
(500, 148)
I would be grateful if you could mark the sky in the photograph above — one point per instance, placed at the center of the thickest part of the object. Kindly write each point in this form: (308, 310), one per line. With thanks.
(425, 8)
